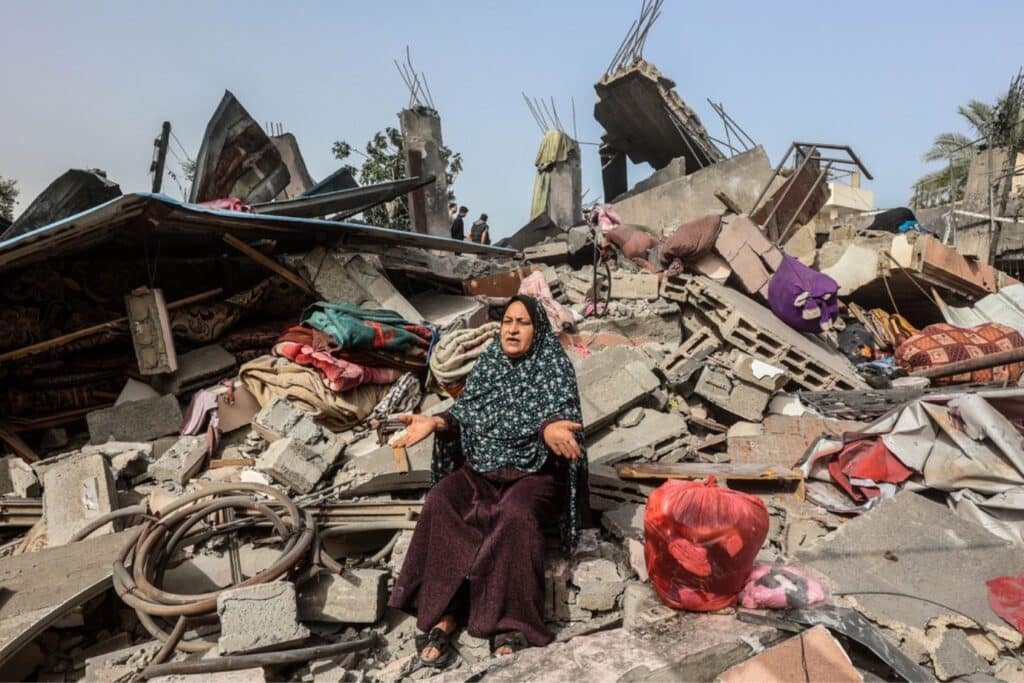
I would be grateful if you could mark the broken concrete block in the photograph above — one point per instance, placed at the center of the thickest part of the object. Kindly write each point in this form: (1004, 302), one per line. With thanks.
(547, 252)
(721, 387)
(610, 382)
(814, 655)
(641, 607)
(76, 491)
(599, 584)
(197, 369)
(280, 419)
(472, 649)
(356, 597)
(625, 521)
(122, 664)
(181, 461)
(291, 463)
(955, 656)
(634, 285)
(143, 420)
(656, 434)
(752, 328)
(135, 390)
(652, 327)
(255, 618)
(127, 460)
(445, 310)
(556, 589)
(150, 327)
(17, 478)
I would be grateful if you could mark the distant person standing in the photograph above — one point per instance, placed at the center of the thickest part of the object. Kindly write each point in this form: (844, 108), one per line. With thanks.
(459, 225)
(480, 232)
(453, 209)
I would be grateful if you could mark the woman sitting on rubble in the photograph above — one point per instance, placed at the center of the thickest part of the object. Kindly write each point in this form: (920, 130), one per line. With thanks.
(508, 461)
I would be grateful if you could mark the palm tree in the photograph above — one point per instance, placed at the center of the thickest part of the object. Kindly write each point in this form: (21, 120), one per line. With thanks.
(956, 149)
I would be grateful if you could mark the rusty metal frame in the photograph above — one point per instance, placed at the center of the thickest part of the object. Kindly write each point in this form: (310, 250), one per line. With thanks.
(810, 152)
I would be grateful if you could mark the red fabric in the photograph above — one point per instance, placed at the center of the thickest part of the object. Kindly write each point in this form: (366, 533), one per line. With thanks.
(866, 459)
(701, 542)
(1006, 597)
(317, 350)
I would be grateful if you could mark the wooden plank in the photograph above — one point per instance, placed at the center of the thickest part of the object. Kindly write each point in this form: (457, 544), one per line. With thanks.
(401, 460)
(699, 470)
(269, 263)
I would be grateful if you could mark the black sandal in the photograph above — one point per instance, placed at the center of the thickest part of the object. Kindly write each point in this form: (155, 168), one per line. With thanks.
(513, 640)
(439, 640)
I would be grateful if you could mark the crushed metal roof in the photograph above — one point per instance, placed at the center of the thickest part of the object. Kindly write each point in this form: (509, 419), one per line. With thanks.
(1005, 306)
(135, 221)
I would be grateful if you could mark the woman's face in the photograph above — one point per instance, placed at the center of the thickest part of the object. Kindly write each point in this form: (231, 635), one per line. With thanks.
(516, 330)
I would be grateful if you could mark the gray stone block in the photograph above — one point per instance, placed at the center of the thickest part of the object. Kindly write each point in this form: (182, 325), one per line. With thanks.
(625, 521)
(144, 420)
(611, 382)
(279, 419)
(291, 463)
(17, 478)
(181, 461)
(355, 597)
(256, 618)
(599, 584)
(198, 368)
(76, 491)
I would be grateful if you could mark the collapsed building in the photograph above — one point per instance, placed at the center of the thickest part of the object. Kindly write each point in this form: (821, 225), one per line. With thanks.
(194, 483)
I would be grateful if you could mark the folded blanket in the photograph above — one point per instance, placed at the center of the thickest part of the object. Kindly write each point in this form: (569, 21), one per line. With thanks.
(315, 349)
(361, 329)
(456, 353)
(267, 377)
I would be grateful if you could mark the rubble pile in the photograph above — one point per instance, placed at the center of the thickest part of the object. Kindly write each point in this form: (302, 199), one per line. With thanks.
(196, 401)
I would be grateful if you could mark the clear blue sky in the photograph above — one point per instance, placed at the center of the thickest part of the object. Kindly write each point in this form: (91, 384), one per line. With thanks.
(87, 84)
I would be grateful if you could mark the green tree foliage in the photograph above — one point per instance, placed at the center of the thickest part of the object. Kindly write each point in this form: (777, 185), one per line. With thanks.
(384, 160)
(8, 196)
(989, 124)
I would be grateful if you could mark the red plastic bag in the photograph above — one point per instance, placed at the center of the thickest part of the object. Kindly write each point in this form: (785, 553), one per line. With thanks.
(701, 542)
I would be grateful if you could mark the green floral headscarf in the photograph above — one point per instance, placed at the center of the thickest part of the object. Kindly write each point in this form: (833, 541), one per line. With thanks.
(502, 408)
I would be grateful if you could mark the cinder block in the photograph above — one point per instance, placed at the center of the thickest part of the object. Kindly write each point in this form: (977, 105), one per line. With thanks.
(181, 461)
(256, 618)
(76, 491)
(143, 420)
(291, 463)
(356, 597)
(599, 584)
(17, 478)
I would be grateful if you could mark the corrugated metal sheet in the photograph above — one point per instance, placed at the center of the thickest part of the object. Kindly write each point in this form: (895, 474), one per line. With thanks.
(1005, 306)
(127, 222)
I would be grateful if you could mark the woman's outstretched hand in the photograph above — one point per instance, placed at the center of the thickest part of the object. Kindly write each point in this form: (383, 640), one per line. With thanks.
(417, 428)
(560, 437)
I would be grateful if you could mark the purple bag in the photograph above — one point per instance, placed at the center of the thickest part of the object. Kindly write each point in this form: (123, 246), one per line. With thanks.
(805, 299)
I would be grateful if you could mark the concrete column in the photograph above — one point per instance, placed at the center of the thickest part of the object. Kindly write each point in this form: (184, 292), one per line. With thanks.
(428, 206)
(565, 200)
(614, 175)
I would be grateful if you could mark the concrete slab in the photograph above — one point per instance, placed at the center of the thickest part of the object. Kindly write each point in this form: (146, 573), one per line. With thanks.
(655, 433)
(39, 589)
(75, 492)
(907, 545)
(665, 206)
(143, 420)
(686, 647)
(610, 382)
(181, 461)
(197, 369)
(445, 309)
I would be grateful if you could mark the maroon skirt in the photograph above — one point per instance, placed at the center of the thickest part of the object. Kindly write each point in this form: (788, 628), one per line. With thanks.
(484, 535)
